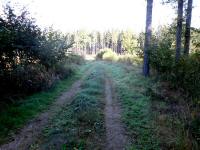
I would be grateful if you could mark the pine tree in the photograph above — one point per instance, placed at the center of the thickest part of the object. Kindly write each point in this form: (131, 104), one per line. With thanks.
(147, 37)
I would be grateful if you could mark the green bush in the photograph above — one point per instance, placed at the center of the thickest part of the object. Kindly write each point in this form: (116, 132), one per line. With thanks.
(100, 54)
(109, 55)
(32, 78)
(31, 59)
(184, 74)
(68, 67)
(76, 59)
(64, 70)
(129, 59)
(187, 74)
(162, 59)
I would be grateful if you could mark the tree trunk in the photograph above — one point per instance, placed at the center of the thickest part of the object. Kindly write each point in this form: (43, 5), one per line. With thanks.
(147, 37)
(187, 27)
(179, 29)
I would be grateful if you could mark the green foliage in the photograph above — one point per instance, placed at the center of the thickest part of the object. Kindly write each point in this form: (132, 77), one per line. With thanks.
(100, 54)
(162, 58)
(31, 78)
(19, 39)
(183, 75)
(129, 59)
(195, 128)
(109, 55)
(187, 74)
(64, 70)
(140, 40)
(162, 53)
(195, 40)
(73, 58)
(68, 66)
(53, 48)
(31, 59)
(129, 41)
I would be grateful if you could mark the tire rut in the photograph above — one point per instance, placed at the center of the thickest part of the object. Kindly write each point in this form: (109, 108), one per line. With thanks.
(116, 138)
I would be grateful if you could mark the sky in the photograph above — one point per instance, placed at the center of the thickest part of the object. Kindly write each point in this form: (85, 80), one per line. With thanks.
(70, 15)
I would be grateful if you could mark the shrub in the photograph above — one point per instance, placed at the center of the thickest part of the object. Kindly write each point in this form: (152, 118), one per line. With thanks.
(109, 55)
(24, 80)
(100, 54)
(129, 59)
(162, 59)
(76, 59)
(68, 67)
(64, 70)
(32, 78)
(187, 74)
(184, 74)
(31, 59)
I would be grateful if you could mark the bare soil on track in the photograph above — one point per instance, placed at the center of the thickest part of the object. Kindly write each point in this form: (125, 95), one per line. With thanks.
(116, 137)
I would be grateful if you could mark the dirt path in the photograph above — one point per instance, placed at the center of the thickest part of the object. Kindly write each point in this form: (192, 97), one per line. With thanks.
(31, 131)
(116, 138)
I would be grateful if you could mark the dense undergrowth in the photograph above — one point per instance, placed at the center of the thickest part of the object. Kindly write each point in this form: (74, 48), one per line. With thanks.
(178, 87)
(79, 125)
(31, 59)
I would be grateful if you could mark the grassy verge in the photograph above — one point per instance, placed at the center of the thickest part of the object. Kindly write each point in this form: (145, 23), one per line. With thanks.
(79, 125)
(17, 114)
(156, 117)
(173, 119)
(131, 89)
